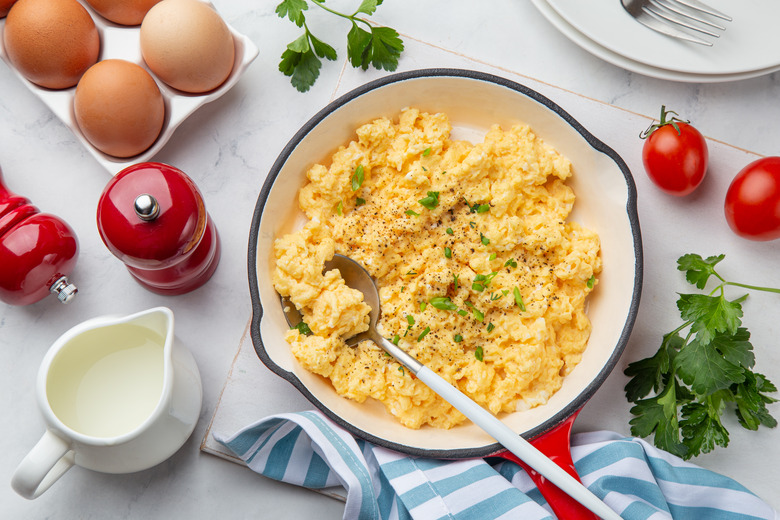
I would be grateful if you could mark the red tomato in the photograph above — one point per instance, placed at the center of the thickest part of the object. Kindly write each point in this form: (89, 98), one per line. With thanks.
(753, 200)
(675, 155)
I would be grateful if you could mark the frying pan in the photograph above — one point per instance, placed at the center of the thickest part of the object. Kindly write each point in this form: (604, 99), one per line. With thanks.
(606, 202)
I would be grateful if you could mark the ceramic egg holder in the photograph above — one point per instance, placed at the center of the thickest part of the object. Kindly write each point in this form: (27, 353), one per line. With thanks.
(123, 42)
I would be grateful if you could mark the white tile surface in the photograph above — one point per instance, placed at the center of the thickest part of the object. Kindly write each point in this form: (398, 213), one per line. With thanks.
(228, 146)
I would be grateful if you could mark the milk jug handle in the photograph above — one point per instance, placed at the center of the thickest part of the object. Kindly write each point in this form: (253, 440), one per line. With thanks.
(46, 462)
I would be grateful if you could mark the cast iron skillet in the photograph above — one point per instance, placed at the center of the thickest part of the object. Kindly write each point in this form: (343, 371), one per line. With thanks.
(606, 202)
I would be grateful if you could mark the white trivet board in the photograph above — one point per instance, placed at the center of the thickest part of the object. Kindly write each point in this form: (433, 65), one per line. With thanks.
(251, 392)
(670, 226)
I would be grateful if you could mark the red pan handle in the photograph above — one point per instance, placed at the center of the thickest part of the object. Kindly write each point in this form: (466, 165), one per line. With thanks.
(556, 444)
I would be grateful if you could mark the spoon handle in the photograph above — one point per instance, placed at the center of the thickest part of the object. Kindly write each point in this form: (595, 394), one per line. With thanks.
(510, 440)
(524, 450)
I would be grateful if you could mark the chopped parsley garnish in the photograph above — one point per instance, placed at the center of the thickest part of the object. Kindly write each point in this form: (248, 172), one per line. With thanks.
(492, 257)
(479, 353)
(481, 281)
(423, 305)
(303, 328)
(402, 370)
(395, 341)
(485, 279)
(449, 231)
(359, 201)
(490, 327)
(510, 263)
(447, 252)
(431, 201)
(519, 299)
(591, 281)
(455, 281)
(412, 213)
(476, 207)
(426, 152)
(410, 321)
(463, 313)
(357, 178)
(485, 240)
(478, 315)
(443, 303)
(423, 333)
(458, 338)
(472, 224)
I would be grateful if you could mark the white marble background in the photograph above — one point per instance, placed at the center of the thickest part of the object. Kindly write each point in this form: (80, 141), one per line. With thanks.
(228, 146)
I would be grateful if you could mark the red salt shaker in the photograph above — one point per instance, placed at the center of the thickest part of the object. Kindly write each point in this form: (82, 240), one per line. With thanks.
(37, 252)
(152, 217)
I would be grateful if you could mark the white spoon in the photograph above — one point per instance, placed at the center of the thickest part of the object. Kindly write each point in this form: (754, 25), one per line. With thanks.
(358, 278)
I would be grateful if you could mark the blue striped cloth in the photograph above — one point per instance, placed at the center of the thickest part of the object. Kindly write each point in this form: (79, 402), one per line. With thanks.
(634, 478)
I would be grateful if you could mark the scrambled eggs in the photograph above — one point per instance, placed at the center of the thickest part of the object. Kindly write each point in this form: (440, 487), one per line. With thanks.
(481, 277)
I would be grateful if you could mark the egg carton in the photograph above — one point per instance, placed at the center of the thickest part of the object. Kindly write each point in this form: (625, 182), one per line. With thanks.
(123, 42)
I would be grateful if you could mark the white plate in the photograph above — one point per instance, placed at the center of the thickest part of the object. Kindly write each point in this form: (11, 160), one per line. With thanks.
(122, 42)
(641, 68)
(750, 43)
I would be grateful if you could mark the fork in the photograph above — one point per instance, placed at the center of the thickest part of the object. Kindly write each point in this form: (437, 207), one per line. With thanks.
(669, 16)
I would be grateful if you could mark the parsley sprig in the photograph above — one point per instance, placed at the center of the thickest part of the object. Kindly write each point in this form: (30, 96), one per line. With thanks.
(702, 367)
(367, 45)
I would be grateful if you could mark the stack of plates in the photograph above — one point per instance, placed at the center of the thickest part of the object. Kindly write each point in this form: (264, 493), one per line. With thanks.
(749, 47)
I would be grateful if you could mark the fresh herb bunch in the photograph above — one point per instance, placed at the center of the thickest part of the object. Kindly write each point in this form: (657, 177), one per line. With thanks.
(377, 46)
(703, 366)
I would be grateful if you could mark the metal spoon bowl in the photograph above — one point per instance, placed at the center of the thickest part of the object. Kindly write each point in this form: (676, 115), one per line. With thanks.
(358, 278)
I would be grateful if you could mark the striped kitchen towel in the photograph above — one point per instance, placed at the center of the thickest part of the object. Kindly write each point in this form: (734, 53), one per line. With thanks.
(634, 478)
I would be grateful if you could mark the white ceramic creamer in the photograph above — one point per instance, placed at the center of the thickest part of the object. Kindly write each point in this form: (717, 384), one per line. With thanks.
(118, 395)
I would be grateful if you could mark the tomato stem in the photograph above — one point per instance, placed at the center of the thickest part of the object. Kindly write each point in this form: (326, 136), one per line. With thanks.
(663, 121)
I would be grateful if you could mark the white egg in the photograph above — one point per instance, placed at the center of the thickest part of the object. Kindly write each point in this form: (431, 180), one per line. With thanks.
(187, 45)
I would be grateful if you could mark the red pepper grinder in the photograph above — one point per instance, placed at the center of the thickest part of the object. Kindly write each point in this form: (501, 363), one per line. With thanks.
(37, 252)
(152, 217)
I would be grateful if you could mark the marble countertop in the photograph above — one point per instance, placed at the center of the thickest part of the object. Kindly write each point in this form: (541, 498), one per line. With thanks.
(227, 147)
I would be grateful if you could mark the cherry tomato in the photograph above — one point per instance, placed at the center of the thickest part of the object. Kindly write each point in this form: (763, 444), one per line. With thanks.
(753, 200)
(674, 154)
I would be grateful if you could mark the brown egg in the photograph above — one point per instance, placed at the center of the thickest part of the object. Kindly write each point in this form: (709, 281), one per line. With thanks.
(123, 12)
(5, 6)
(187, 45)
(119, 108)
(51, 42)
